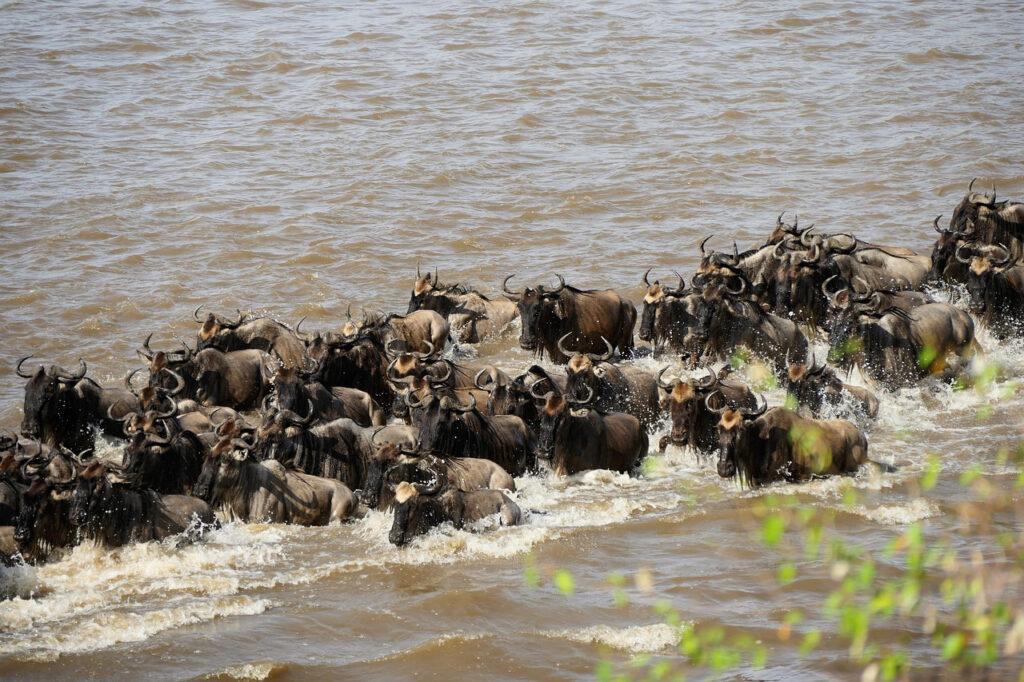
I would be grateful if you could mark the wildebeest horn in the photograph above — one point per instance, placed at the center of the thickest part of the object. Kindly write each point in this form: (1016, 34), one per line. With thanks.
(735, 252)
(682, 284)
(1006, 259)
(435, 381)
(391, 350)
(962, 259)
(63, 375)
(146, 352)
(561, 285)
(435, 275)
(815, 369)
(861, 292)
(373, 436)
(298, 325)
(128, 380)
(195, 313)
(743, 286)
(504, 286)
(111, 417)
(476, 381)
(716, 410)
(646, 283)
(815, 257)
(294, 419)
(19, 371)
(710, 380)
(705, 242)
(535, 394)
(970, 187)
(661, 382)
(389, 373)
(757, 411)
(424, 356)
(584, 401)
(472, 405)
(936, 224)
(562, 349)
(604, 356)
(831, 296)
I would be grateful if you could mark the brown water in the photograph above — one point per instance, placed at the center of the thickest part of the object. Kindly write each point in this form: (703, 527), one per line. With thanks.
(295, 158)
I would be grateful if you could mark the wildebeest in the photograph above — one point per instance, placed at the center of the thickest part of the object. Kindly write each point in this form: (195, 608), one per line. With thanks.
(989, 221)
(237, 379)
(116, 514)
(761, 446)
(995, 282)
(895, 347)
(163, 456)
(418, 508)
(261, 333)
(391, 465)
(292, 393)
(669, 315)
(268, 492)
(576, 438)
(815, 387)
(62, 408)
(473, 317)
(728, 321)
(589, 317)
(691, 404)
(44, 522)
(520, 395)
(614, 388)
(353, 361)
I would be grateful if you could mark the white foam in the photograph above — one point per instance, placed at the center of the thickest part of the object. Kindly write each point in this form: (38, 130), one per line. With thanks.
(637, 639)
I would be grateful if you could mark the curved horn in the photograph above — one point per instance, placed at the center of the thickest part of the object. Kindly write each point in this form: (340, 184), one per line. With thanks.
(646, 283)
(716, 410)
(682, 285)
(936, 224)
(408, 399)
(391, 349)
(584, 401)
(472, 405)
(1006, 259)
(757, 411)
(389, 373)
(424, 356)
(66, 376)
(441, 380)
(603, 357)
(710, 380)
(19, 371)
(861, 292)
(504, 286)
(195, 313)
(535, 394)
(735, 252)
(737, 292)
(128, 379)
(110, 413)
(561, 285)
(476, 381)
(562, 349)
(661, 382)
(703, 243)
(814, 258)
(962, 259)
(831, 296)
(177, 378)
(146, 351)
(970, 187)
(295, 420)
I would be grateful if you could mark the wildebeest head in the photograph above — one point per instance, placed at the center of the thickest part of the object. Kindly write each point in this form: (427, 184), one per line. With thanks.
(944, 264)
(212, 326)
(172, 371)
(807, 383)
(389, 467)
(538, 308)
(584, 370)
(971, 208)
(221, 469)
(290, 391)
(731, 427)
(43, 522)
(510, 397)
(556, 410)
(277, 432)
(417, 510)
(47, 394)
(442, 424)
(681, 399)
(983, 263)
(93, 492)
(657, 297)
(422, 290)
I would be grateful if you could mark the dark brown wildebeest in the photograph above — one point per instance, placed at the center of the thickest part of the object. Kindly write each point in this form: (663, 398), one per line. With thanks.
(163, 456)
(391, 465)
(520, 396)
(995, 282)
(576, 438)
(418, 508)
(727, 321)
(418, 393)
(62, 408)
(990, 222)
(896, 347)
(761, 446)
(261, 333)
(669, 316)
(352, 361)
(115, 514)
(473, 317)
(448, 429)
(613, 388)
(817, 387)
(691, 404)
(239, 379)
(268, 492)
(589, 317)
(44, 525)
(292, 393)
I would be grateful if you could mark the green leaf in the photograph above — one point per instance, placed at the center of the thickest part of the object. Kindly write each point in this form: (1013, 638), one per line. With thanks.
(772, 529)
(811, 641)
(564, 581)
(953, 645)
(931, 473)
(787, 572)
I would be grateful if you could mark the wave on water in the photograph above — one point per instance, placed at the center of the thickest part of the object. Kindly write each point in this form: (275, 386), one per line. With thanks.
(637, 639)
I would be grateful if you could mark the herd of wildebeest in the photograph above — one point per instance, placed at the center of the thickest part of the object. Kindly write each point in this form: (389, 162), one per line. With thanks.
(261, 422)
